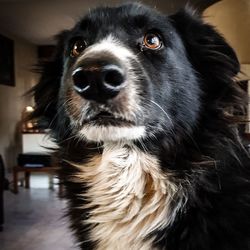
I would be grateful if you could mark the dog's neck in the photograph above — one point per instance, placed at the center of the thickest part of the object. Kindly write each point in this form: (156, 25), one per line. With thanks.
(128, 192)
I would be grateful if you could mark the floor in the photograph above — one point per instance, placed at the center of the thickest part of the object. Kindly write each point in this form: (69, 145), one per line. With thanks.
(34, 221)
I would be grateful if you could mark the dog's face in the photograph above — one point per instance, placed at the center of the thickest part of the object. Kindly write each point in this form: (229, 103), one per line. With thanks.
(125, 74)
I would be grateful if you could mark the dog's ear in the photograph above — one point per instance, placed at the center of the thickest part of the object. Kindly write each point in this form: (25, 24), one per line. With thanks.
(211, 56)
(46, 91)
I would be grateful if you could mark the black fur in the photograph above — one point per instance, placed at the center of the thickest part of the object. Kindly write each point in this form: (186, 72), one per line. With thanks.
(191, 78)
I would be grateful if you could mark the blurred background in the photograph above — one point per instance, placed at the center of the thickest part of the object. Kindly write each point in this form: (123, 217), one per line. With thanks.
(31, 210)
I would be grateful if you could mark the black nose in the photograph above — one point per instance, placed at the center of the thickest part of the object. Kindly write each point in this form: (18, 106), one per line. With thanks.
(99, 83)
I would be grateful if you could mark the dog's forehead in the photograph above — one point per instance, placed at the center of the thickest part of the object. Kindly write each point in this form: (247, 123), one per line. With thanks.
(121, 13)
(129, 17)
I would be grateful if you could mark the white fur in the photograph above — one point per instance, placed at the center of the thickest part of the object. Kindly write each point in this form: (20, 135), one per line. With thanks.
(112, 133)
(130, 197)
(109, 44)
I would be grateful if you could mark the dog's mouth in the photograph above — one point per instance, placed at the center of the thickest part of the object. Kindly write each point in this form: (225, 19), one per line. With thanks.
(105, 118)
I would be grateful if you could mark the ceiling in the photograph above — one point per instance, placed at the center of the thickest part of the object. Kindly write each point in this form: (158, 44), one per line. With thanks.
(38, 21)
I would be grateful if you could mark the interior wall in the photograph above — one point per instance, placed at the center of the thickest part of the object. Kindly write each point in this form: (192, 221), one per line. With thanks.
(12, 101)
(232, 19)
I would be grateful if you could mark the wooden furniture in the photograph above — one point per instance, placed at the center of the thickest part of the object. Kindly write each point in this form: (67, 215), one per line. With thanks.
(51, 171)
(33, 159)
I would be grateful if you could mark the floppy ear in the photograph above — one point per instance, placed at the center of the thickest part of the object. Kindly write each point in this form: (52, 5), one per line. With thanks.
(46, 91)
(211, 56)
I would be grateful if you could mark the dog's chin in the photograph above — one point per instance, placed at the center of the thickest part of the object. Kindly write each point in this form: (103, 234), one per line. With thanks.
(111, 133)
(107, 127)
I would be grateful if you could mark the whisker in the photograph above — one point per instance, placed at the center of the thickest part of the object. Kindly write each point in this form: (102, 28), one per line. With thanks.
(170, 120)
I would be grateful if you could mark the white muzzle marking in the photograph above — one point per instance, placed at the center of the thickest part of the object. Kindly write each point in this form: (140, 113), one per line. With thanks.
(112, 133)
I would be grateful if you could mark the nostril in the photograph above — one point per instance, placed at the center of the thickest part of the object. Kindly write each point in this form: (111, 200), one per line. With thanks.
(113, 76)
(81, 83)
(98, 82)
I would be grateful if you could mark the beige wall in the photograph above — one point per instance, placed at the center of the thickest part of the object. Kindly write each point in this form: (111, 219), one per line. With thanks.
(232, 19)
(12, 102)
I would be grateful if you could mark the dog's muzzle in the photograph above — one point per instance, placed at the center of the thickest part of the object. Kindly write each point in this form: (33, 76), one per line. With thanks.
(106, 78)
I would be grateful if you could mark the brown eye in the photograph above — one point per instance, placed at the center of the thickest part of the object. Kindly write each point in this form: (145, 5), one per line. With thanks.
(77, 48)
(152, 41)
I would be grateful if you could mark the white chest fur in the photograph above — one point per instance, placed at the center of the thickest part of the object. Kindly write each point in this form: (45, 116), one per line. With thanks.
(130, 196)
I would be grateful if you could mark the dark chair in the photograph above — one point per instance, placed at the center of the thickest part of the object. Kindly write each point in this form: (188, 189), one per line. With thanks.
(2, 183)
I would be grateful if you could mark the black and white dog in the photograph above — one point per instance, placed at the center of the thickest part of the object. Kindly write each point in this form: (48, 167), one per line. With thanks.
(136, 102)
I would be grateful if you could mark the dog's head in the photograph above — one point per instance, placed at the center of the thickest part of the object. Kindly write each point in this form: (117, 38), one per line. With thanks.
(129, 72)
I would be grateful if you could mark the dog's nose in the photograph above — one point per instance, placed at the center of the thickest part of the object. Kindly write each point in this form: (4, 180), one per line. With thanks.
(99, 83)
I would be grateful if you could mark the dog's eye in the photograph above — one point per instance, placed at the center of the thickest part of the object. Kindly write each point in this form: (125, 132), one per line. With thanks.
(78, 47)
(152, 41)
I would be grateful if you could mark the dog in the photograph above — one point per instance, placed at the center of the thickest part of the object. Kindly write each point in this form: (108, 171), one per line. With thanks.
(137, 103)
